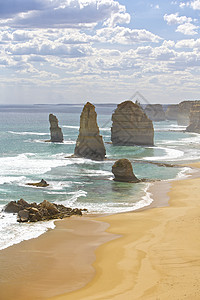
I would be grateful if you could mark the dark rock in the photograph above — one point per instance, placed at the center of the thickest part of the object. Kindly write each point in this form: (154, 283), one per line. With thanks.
(23, 216)
(56, 132)
(42, 183)
(131, 126)
(89, 143)
(123, 171)
(15, 207)
(155, 112)
(40, 212)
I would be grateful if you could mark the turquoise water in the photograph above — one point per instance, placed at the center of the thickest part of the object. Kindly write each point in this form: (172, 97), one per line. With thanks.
(26, 157)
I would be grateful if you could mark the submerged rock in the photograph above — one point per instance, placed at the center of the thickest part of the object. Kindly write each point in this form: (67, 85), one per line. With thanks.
(89, 143)
(55, 130)
(131, 126)
(40, 212)
(123, 171)
(155, 112)
(42, 183)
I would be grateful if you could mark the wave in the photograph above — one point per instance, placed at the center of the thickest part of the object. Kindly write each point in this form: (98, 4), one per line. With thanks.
(28, 133)
(71, 127)
(12, 234)
(172, 154)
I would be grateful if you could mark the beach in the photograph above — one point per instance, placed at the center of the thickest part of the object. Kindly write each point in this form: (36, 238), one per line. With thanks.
(147, 254)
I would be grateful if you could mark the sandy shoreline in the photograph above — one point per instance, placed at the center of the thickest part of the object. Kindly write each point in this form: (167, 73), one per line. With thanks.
(156, 257)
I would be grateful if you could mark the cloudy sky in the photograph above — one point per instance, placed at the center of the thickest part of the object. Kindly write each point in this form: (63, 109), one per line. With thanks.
(72, 51)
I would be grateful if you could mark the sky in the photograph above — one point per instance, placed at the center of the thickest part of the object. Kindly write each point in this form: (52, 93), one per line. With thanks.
(102, 51)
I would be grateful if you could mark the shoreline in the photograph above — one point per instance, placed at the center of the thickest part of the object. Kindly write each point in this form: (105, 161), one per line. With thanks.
(78, 239)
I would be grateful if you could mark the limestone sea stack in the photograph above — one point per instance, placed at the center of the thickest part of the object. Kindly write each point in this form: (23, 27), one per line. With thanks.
(131, 126)
(89, 143)
(155, 112)
(55, 130)
(194, 119)
(172, 112)
(123, 171)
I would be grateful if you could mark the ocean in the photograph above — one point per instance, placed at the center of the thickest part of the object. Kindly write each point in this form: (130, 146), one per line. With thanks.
(77, 182)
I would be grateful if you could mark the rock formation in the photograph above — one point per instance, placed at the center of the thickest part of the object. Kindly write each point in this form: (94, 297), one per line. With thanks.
(89, 143)
(56, 132)
(155, 112)
(172, 112)
(194, 119)
(184, 112)
(42, 183)
(123, 171)
(40, 212)
(131, 126)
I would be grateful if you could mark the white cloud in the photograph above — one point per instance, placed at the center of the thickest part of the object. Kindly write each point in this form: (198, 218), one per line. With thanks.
(62, 13)
(195, 4)
(189, 43)
(188, 29)
(127, 36)
(174, 19)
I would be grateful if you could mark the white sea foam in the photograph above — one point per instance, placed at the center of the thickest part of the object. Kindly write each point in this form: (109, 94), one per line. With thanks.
(171, 155)
(12, 232)
(71, 127)
(171, 127)
(73, 198)
(28, 133)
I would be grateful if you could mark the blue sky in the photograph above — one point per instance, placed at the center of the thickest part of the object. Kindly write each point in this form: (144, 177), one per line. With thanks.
(73, 51)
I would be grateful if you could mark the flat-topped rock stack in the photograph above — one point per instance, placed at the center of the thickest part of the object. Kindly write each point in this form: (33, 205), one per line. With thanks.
(131, 126)
(194, 119)
(55, 130)
(89, 143)
(172, 112)
(155, 112)
(184, 112)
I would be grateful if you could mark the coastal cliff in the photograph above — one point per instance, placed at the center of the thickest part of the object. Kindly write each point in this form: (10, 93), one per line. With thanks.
(155, 112)
(172, 112)
(194, 119)
(131, 126)
(123, 171)
(55, 130)
(184, 112)
(89, 143)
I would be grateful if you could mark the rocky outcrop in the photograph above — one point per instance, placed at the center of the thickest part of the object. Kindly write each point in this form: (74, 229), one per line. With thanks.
(172, 112)
(123, 171)
(131, 126)
(194, 119)
(184, 112)
(155, 112)
(42, 183)
(89, 143)
(55, 130)
(40, 212)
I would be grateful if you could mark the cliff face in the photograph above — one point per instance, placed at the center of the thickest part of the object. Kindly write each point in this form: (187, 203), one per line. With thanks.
(155, 112)
(194, 118)
(131, 126)
(56, 132)
(184, 112)
(89, 143)
(172, 112)
(123, 171)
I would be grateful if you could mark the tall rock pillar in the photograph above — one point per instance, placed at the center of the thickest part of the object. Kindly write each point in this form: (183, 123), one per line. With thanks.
(89, 143)
(55, 130)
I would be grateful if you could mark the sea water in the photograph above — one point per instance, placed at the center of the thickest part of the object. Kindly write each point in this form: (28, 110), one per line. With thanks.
(26, 157)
